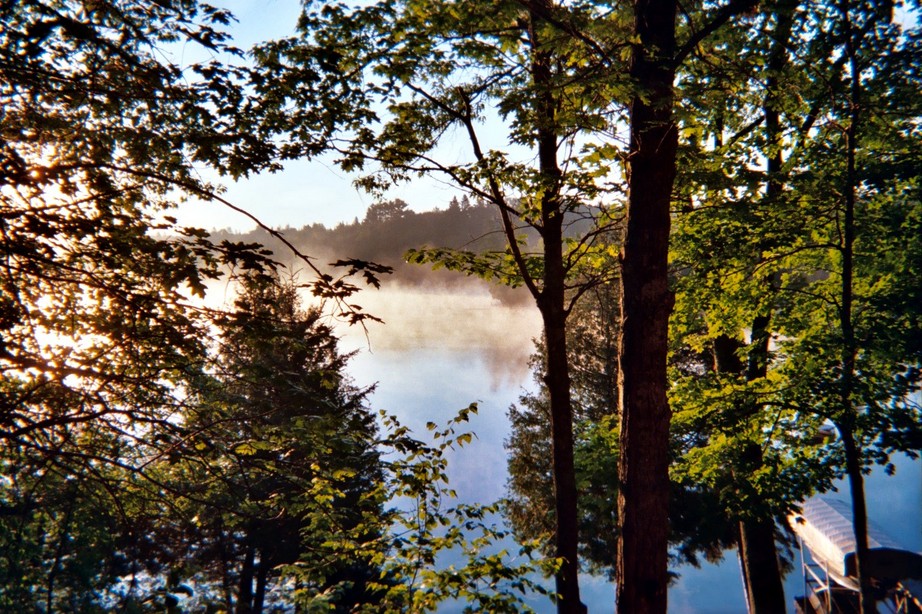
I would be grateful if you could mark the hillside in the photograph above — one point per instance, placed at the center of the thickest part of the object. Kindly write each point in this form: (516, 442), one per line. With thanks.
(388, 231)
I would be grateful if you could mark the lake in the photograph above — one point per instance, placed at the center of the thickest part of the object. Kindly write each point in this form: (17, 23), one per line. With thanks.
(444, 348)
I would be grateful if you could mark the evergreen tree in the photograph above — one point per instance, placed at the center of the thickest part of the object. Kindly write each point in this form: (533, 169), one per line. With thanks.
(277, 417)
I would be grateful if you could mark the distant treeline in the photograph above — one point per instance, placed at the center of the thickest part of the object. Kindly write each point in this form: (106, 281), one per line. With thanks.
(389, 229)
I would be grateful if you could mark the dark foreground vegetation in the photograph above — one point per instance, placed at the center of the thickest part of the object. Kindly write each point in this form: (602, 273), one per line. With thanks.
(716, 209)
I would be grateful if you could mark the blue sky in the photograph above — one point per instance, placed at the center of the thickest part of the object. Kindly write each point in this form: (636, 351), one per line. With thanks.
(308, 192)
(305, 192)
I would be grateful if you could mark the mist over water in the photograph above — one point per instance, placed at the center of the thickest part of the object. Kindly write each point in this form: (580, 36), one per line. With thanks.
(458, 319)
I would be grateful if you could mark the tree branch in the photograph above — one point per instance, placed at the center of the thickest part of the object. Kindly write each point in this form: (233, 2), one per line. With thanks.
(721, 16)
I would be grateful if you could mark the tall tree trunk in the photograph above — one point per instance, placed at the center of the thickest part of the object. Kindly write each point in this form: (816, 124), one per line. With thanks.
(757, 550)
(646, 303)
(848, 419)
(552, 305)
(262, 577)
(550, 296)
(245, 590)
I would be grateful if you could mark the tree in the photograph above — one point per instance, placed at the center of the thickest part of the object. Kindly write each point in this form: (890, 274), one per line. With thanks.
(431, 67)
(102, 133)
(646, 301)
(57, 537)
(858, 384)
(276, 494)
(385, 211)
(555, 73)
(102, 345)
(646, 298)
(699, 526)
(98, 132)
(782, 240)
(752, 76)
(277, 415)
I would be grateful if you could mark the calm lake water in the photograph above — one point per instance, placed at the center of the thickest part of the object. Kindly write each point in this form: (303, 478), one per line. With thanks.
(441, 350)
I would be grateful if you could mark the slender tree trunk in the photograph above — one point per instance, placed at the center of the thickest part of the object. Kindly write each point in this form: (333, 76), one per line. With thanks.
(758, 554)
(557, 380)
(859, 516)
(847, 421)
(550, 296)
(757, 550)
(551, 303)
(646, 303)
(853, 465)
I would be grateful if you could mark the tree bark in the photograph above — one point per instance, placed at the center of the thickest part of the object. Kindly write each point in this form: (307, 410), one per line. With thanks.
(646, 303)
(262, 578)
(245, 590)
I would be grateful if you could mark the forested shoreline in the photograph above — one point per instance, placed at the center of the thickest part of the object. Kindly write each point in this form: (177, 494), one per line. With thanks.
(387, 232)
(389, 238)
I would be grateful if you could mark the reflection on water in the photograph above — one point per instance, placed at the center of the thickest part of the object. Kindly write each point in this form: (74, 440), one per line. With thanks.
(438, 352)
(441, 350)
